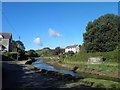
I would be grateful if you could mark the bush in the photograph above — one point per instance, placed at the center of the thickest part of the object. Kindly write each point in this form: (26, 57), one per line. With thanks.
(12, 55)
(6, 58)
(22, 55)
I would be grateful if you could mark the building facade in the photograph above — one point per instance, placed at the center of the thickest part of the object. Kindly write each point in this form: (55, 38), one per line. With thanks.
(5, 41)
(74, 48)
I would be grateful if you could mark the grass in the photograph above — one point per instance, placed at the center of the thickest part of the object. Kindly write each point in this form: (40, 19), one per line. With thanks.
(82, 56)
(109, 67)
(100, 83)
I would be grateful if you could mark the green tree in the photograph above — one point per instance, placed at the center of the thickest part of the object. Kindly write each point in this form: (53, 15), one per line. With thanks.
(103, 34)
(70, 53)
(20, 45)
(57, 51)
(14, 45)
(32, 53)
(21, 50)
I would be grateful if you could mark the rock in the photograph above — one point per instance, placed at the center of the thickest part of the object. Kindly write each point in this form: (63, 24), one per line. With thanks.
(30, 61)
(95, 60)
(43, 70)
(51, 72)
(74, 69)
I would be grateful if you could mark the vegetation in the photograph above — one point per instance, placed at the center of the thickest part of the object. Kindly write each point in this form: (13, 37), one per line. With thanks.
(31, 53)
(12, 55)
(83, 56)
(20, 45)
(14, 46)
(100, 83)
(109, 67)
(103, 34)
(57, 51)
(47, 52)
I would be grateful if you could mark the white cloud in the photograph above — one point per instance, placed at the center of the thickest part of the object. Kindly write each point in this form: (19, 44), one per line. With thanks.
(37, 41)
(53, 33)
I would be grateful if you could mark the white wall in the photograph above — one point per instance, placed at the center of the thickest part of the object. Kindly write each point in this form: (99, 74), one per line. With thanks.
(76, 49)
(1, 48)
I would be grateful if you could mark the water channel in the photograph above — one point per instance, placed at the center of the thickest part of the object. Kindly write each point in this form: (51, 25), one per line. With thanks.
(42, 65)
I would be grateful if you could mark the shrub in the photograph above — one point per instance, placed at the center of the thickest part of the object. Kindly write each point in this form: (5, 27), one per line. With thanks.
(12, 55)
(6, 58)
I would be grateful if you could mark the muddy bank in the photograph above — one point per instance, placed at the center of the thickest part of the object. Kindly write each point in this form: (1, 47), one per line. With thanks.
(24, 76)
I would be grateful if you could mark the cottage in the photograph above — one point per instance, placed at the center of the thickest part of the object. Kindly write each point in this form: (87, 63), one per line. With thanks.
(74, 48)
(5, 41)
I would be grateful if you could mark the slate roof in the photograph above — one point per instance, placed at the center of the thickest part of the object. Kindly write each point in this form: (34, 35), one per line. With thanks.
(72, 46)
(6, 35)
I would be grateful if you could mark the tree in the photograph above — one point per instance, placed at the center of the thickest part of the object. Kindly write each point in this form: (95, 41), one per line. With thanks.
(14, 45)
(21, 50)
(32, 53)
(20, 45)
(57, 51)
(70, 53)
(103, 34)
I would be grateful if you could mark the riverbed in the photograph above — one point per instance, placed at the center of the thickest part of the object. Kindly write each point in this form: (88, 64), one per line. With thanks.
(42, 64)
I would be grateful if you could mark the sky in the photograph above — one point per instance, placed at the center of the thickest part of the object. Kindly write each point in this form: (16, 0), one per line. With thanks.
(51, 24)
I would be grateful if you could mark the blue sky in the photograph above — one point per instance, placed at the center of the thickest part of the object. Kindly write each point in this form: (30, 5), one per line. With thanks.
(51, 24)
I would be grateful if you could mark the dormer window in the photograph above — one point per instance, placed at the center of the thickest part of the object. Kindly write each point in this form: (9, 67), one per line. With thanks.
(1, 37)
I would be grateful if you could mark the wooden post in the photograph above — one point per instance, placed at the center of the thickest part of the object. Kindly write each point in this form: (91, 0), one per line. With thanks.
(18, 56)
(17, 53)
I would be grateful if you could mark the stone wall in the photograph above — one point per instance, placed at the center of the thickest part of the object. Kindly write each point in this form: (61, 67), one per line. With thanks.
(95, 60)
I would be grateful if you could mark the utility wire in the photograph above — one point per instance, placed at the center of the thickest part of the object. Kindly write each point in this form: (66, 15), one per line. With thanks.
(8, 21)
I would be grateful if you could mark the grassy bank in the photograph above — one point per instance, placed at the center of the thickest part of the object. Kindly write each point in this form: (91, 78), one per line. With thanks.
(92, 82)
(100, 83)
(109, 67)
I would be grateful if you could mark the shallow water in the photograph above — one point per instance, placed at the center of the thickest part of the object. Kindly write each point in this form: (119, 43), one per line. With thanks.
(40, 64)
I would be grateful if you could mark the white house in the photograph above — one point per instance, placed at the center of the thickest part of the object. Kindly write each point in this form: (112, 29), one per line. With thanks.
(74, 48)
(5, 41)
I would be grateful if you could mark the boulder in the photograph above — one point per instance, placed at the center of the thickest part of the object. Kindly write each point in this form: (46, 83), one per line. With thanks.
(74, 69)
(30, 61)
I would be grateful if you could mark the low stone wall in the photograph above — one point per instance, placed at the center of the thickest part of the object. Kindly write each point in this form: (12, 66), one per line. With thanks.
(95, 60)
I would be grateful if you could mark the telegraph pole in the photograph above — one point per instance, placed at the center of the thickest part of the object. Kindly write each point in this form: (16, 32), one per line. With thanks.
(19, 38)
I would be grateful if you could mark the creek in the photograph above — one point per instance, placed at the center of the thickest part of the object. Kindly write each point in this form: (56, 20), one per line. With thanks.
(40, 64)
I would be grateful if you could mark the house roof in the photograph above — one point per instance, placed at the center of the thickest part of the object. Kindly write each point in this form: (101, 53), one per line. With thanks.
(71, 46)
(6, 35)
